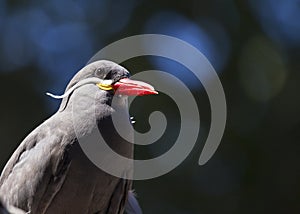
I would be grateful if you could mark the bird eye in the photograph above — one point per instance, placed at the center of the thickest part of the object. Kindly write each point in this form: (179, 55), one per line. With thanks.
(99, 72)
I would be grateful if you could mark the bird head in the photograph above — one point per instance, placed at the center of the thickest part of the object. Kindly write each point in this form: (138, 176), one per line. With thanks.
(107, 76)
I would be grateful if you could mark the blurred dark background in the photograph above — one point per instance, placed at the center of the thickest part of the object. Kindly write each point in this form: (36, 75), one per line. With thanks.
(254, 46)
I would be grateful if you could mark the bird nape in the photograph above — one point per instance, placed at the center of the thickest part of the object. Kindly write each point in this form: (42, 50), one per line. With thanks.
(49, 171)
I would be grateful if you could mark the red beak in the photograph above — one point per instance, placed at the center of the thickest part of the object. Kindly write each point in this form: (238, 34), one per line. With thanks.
(133, 88)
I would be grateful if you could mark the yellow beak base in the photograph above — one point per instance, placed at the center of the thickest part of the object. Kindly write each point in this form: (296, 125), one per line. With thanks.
(105, 87)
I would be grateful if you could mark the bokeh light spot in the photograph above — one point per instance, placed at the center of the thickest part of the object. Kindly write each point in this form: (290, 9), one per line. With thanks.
(207, 41)
(262, 69)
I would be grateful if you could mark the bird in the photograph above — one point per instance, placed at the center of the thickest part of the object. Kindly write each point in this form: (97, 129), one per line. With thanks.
(49, 171)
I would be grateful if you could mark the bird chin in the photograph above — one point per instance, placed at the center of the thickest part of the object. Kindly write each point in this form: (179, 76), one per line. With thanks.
(120, 100)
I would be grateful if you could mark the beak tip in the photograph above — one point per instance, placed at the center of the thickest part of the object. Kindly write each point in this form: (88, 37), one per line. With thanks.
(149, 92)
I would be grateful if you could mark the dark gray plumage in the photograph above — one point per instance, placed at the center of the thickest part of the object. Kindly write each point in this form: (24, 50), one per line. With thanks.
(49, 173)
